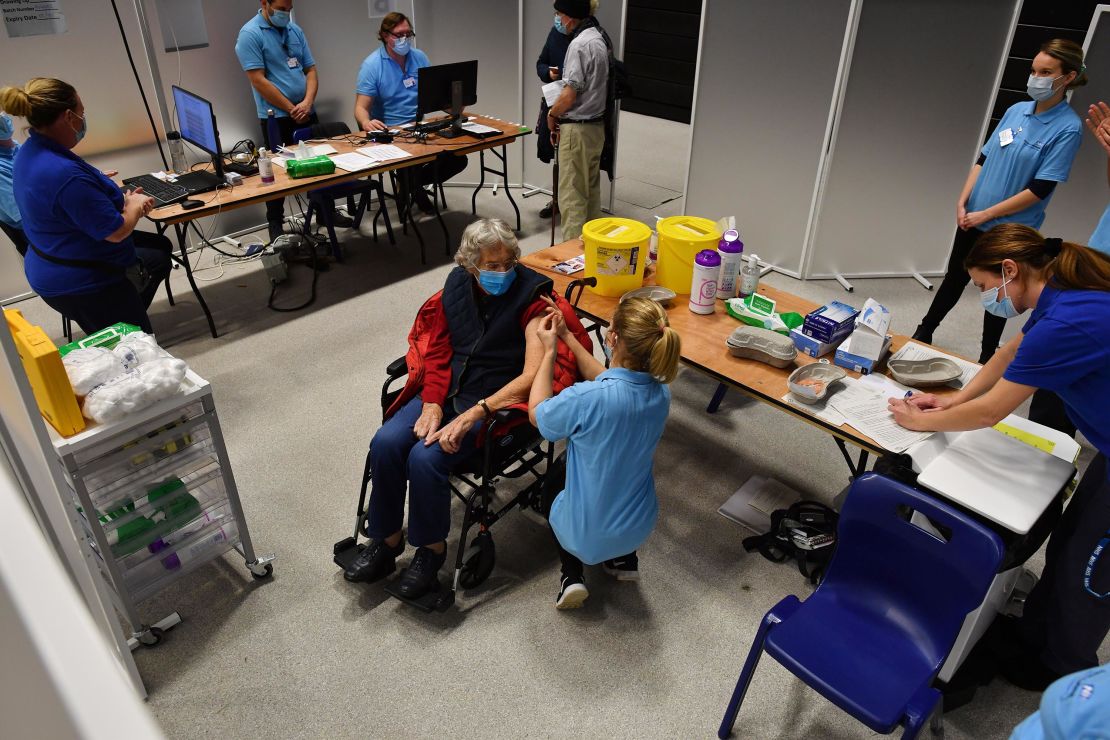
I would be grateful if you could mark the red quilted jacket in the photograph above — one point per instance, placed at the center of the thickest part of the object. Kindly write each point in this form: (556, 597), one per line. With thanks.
(429, 355)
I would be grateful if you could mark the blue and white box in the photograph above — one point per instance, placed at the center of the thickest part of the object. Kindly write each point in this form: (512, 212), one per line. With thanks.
(811, 345)
(830, 323)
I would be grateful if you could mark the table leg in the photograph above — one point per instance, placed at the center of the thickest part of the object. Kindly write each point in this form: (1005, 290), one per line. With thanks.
(435, 205)
(182, 230)
(718, 396)
(857, 468)
(405, 210)
(481, 182)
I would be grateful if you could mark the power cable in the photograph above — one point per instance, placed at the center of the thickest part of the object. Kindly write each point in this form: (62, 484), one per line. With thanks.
(139, 83)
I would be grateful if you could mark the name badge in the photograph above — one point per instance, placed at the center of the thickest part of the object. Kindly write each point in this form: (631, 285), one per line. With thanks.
(409, 82)
(1005, 136)
(293, 62)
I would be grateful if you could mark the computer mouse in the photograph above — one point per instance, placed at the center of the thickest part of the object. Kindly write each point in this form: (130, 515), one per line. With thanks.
(191, 203)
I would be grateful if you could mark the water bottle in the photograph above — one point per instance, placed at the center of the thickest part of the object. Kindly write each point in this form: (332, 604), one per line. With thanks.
(703, 288)
(749, 276)
(177, 153)
(226, 533)
(731, 250)
(273, 133)
(265, 167)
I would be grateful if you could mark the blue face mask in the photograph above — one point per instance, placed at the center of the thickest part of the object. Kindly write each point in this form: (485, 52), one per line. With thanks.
(279, 18)
(496, 283)
(559, 25)
(1040, 88)
(7, 128)
(84, 127)
(401, 46)
(1004, 308)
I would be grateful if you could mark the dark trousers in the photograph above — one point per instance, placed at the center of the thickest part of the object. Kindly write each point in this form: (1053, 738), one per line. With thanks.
(398, 460)
(952, 288)
(1062, 621)
(1048, 408)
(275, 209)
(445, 167)
(120, 301)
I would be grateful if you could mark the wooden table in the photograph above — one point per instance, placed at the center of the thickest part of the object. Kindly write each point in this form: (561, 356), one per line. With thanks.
(703, 347)
(253, 191)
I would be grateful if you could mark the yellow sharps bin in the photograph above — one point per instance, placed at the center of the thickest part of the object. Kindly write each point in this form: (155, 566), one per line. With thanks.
(616, 252)
(680, 240)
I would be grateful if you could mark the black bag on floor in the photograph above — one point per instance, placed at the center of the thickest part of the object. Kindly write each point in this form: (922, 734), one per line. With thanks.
(805, 533)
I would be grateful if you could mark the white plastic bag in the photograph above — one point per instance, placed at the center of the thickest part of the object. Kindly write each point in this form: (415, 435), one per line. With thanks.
(135, 390)
(89, 367)
(141, 346)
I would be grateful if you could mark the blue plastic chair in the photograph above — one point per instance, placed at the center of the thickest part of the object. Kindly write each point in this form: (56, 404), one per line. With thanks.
(873, 636)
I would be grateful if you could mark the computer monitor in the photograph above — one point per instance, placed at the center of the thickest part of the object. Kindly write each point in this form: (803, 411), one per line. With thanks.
(447, 87)
(197, 125)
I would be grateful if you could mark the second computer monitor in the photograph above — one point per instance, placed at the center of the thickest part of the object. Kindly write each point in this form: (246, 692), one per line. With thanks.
(437, 90)
(198, 124)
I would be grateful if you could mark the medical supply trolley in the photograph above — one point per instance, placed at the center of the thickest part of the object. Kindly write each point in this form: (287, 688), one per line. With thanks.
(156, 498)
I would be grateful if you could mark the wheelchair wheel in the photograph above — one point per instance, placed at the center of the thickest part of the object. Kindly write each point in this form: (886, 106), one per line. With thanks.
(478, 561)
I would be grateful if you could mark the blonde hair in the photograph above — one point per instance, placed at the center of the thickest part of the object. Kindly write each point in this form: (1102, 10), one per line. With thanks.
(484, 234)
(40, 101)
(646, 336)
(1070, 56)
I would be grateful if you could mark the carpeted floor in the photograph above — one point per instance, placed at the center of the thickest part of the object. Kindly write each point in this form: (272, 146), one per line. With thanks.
(308, 655)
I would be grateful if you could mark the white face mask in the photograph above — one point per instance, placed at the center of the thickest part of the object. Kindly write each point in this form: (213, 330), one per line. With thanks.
(1040, 88)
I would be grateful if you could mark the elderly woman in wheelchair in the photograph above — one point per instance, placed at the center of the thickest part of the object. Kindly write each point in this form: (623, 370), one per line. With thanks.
(473, 350)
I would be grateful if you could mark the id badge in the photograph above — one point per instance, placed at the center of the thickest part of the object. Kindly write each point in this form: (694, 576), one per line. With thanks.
(409, 82)
(1005, 137)
(293, 62)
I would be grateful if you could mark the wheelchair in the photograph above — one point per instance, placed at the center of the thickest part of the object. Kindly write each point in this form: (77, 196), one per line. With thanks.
(512, 449)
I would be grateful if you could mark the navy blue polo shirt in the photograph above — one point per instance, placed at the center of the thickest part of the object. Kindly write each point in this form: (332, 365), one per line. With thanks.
(262, 46)
(68, 208)
(1043, 148)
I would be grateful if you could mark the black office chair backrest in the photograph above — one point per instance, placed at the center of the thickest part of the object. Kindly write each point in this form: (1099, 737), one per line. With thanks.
(19, 239)
(330, 129)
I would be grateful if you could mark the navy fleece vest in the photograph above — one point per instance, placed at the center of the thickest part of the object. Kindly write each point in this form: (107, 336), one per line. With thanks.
(487, 340)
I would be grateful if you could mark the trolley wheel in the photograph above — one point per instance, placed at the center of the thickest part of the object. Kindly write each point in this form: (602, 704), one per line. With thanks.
(151, 637)
(478, 562)
(267, 572)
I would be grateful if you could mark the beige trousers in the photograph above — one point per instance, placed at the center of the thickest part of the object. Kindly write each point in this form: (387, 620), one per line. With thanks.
(579, 175)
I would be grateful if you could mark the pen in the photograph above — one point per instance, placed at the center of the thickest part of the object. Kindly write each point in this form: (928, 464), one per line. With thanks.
(908, 394)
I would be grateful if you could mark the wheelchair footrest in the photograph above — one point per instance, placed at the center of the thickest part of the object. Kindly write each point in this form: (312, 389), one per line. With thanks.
(345, 551)
(439, 600)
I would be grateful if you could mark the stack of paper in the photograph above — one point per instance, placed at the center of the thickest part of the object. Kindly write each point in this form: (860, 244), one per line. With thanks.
(366, 157)
(866, 409)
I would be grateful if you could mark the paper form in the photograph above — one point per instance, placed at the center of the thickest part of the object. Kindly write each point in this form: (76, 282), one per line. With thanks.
(382, 152)
(552, 91)
(914, 351)
(352, 162)
(866, 410)
(886, 386)
(823, 410)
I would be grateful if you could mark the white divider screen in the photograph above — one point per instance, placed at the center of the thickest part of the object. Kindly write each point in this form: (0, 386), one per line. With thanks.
(766, 76)
(921, 81)
(1078, 204)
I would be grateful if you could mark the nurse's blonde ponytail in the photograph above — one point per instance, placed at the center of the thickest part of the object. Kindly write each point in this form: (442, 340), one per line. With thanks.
(647, 339)
(40, 101)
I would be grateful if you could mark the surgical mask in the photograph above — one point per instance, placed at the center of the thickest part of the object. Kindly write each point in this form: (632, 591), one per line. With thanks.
(84, 127)
(559, 25)
(496, 283)
(1004, 308)
(279, 18)
(606, 348)
(7, 128)
(1040, 88)
(401, 46)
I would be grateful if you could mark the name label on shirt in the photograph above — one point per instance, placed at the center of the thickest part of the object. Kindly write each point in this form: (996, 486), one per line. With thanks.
(1005, 136)
(409, 82)
(293, 62)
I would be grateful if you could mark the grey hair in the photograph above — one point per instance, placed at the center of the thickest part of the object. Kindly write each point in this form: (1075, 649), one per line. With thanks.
(483, 234)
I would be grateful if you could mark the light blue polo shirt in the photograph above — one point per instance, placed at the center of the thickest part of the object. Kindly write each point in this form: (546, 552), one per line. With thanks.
(612, 425)
(9, 211)
(383, 79)
(1100, 240)
(1043, 148)
(262, 46)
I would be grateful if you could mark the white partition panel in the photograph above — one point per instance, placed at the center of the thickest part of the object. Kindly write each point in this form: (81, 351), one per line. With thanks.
(1078, 204)
(766, 75)
(922, 77)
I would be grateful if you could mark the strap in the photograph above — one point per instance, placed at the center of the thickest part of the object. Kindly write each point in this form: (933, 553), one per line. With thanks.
(1091, 562)
(87, 264)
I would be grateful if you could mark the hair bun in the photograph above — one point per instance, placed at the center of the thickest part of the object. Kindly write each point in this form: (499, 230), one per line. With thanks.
(15, 101)
(1053, 246)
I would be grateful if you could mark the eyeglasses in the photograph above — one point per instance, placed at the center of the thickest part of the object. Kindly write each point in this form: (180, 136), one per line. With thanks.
(497, 266)
(398, 36)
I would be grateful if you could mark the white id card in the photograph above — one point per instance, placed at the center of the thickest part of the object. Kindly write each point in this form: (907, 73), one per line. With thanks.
(409, 82)
(1005, 136)
(293, 62)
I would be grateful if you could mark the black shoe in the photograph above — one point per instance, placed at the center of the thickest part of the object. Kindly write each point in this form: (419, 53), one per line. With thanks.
(626, 568)
(572, 593)
(375, 562)
(547, 210)
(341, 220)
(276, 229)
(422, 575)
(423, 202)
(921, 334)
(1027, 672)
(986, 354)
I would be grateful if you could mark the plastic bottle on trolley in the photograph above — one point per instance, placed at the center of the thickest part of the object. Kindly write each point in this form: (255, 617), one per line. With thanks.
(703, 288)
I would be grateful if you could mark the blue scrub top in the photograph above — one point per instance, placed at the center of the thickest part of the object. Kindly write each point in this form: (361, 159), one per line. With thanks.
(1066, 349)
(68, 208)
(612, 425)
(1043, 148)
(382, 79)
(1100, 240)
(262, 46)
(9, 211)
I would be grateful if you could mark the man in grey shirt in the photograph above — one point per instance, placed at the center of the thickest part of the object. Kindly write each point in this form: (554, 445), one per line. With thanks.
(577, 120)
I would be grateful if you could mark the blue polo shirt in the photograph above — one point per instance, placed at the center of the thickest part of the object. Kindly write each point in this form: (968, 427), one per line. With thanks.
(68, 208)
(1100, 240)
(9, 211)
(262, 46)
(1043, 148)
(383, 79)
(612, 425)
(1066, 349)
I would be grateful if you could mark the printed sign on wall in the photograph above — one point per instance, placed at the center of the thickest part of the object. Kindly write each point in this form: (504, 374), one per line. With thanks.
(37, 18)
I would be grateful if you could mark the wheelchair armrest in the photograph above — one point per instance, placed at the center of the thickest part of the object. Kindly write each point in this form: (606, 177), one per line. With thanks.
(397, 369)
(578, 285)
(393, 372)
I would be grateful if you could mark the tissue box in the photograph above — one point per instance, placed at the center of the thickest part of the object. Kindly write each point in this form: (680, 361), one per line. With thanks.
(810, 345)
(850, 355)
(870, 336)
(830, 323)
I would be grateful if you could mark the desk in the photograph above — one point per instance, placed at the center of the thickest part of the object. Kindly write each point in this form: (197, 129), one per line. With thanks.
(703, 347)
(252, 191)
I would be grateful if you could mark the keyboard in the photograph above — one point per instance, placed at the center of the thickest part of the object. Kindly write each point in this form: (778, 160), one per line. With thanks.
(163, 192)
(431, 127)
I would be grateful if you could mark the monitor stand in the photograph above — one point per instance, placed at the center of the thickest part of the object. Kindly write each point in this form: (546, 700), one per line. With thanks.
(455, 129)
